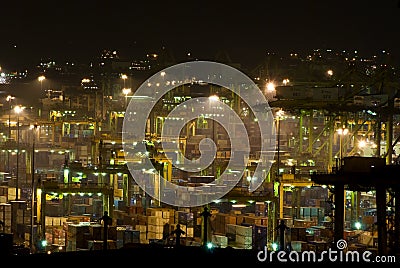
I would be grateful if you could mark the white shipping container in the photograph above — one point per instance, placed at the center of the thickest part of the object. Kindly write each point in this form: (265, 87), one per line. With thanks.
(241, 239)
(244, 230)
(220, 240)
(297, 245)
(325, 94)
(231, 228)
(293, 93)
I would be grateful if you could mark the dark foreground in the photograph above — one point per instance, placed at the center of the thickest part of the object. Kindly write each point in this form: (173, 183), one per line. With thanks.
(152, 255)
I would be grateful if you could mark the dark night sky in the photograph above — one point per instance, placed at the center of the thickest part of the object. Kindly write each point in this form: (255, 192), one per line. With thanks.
(245, 30)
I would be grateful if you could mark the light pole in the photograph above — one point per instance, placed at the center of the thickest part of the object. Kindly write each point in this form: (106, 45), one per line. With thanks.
(126, 91)
(18, 109)
(33, 189)
(278, 204)
(9, 99)
(213, 100)
(279, 114)
(342, 132)
(270, 90)
(124, 77)
(269, 222)
(40, 79)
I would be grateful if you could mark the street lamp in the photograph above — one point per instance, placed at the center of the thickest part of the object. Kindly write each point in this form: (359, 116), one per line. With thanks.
(17, 109)
(9, 99)
(270, 87)
(41, 79)
(126, 91)
(342, 132)
(270, 90)
(124, 77)
(33, 189)
(279, 115)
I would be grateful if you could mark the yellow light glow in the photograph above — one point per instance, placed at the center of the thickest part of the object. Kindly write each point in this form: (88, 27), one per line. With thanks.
(270, 87)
